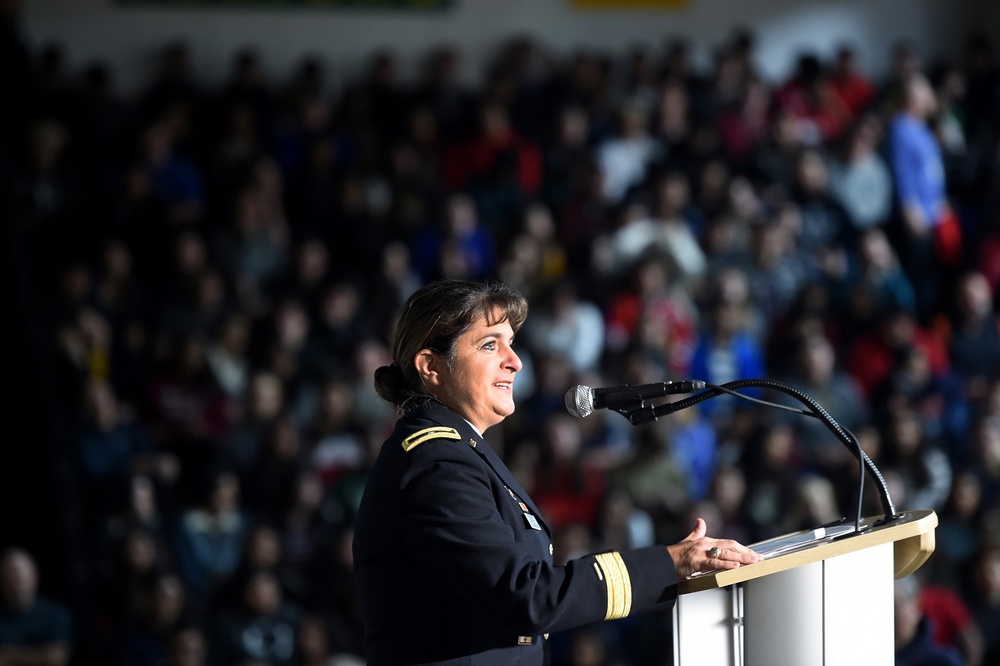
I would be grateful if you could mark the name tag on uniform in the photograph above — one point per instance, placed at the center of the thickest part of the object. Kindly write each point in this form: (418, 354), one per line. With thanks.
(532, 521)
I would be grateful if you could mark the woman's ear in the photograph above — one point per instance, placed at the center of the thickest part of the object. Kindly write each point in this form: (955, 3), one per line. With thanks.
(428, 365)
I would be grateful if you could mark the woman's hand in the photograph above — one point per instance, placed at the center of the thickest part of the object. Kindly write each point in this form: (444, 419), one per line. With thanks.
(698, 553)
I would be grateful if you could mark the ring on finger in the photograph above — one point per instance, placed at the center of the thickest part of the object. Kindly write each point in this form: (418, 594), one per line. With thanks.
(714, 552)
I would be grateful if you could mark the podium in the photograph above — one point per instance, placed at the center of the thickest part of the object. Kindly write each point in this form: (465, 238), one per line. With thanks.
(825, 603)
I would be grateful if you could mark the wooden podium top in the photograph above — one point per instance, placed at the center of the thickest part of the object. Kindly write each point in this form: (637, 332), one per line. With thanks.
(912, 535)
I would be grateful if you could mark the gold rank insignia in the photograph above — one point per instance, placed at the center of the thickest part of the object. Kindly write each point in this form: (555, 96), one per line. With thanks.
(618, 582)
(421, 436)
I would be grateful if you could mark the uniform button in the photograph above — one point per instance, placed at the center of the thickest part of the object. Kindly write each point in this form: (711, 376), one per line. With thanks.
(545, 636)
(551, 549)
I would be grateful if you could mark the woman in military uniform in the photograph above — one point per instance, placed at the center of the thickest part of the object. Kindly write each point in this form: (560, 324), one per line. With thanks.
(452, 559)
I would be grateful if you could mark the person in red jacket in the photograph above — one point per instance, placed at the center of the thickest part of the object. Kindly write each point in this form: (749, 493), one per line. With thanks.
(871, 357)
(853, 88)
(497, 151)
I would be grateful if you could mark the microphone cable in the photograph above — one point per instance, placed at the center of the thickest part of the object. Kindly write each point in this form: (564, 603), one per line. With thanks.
(644, 414)
(860, 454)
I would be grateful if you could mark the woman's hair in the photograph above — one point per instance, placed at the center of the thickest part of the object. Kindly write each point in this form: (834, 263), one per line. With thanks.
(434, 317)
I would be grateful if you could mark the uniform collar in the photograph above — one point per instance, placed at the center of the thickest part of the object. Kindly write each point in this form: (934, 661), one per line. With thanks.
(473, 427)
(438, 412)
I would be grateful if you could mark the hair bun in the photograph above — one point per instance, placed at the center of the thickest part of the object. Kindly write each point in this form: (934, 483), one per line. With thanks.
(390, 384)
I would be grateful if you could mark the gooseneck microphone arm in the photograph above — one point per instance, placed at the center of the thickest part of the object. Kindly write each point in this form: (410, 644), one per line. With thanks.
(645, 414)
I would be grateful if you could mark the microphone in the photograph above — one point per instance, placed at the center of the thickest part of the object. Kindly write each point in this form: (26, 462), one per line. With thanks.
(581, 401)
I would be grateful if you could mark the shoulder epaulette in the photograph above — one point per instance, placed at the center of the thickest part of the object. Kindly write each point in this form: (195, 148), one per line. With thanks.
(421, 436)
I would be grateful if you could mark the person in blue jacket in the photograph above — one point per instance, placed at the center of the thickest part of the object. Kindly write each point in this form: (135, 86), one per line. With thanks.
(453, 561)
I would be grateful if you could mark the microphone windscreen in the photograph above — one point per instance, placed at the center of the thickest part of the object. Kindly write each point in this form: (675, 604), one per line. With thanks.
(579, 401)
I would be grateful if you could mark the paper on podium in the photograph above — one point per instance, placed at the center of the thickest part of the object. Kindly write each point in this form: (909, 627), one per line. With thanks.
(792, 542)
(789, 543)
(911, 533)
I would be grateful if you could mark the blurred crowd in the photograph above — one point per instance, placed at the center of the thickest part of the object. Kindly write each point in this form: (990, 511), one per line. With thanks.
(209, 275)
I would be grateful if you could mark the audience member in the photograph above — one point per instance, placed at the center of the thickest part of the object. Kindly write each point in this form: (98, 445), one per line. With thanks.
(975, 335)
(984, 597)
(188, 647)
(957, 534)
(261, 629)
(111, 446)
(33, 629)
(209, 537)
(931, 233)
(860, 180)
(773, 500)
(850, 83)
(725, 352)
(567, 489)
(914, 643)
(148, 633)
(623, 159)
(314, 646)
(818, 376)
(824, 220)
(952, 621)
(809, 96)
(569, 326)
(878, 273)
(137, 567)
(747, 125)
(923, 468)
(871, 355)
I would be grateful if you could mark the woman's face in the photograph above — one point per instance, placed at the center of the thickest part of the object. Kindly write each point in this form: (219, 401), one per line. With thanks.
(479, 385)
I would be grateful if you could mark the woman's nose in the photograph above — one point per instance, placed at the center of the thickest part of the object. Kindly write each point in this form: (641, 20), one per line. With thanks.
(513, 361)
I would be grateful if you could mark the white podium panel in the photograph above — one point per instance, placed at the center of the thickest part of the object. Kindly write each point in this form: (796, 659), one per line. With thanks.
(708, 628)
(830, 613)
(827, 605)
(858, 606)
(784, 618)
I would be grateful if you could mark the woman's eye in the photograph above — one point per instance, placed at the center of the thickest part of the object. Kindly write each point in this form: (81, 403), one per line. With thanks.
(489, 346)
